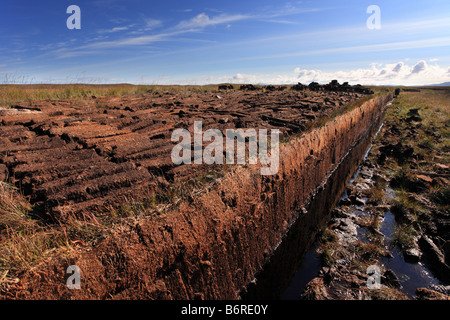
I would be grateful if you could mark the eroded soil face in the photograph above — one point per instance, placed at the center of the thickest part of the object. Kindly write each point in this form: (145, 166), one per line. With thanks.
(74, 157)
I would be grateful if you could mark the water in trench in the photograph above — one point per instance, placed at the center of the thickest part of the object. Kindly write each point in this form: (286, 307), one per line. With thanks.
(308, 270)
(296, 263)
(412, 275)
(311, 263)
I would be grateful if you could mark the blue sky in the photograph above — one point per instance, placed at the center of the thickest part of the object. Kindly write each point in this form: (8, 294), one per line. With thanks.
(246, 41)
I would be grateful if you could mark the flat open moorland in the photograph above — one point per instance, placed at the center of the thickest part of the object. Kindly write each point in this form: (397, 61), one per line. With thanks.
(76, 161)
(83, 154)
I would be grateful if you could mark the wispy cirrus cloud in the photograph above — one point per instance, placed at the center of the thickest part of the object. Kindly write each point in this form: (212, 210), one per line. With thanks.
(269, 14)
(151, 23)
(128, 41)
(379, 47)
(196, 23)
(138, 34)
(202, 20)
(116, 29)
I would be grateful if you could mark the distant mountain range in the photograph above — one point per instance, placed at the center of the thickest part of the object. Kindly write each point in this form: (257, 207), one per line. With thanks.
(445, 84)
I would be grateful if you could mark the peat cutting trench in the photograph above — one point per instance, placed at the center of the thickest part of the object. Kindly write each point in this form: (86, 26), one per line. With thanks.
(74, 161)
(277, 275)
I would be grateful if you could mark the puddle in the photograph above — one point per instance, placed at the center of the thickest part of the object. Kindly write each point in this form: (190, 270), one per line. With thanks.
(411, 275)
(296, 262)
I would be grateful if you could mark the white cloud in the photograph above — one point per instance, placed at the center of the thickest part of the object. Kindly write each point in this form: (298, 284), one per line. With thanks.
(420, 66)
(376, 74)
(380, 47)
(388, 74)
(152, 23)
(271, 15)
(202, 20)
(198, 22)
(398, 67)
(279, 21)
(116, 29)
(131, 41)
(149, 24)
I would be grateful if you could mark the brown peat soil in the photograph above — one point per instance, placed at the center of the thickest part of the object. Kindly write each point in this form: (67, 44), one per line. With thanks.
(83, 166)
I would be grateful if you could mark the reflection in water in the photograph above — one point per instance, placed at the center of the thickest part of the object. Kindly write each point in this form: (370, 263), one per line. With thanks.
(411, 275)
(295, 261)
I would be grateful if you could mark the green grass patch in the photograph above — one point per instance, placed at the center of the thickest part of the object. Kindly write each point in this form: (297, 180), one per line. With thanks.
(404, 236)
(328, 247)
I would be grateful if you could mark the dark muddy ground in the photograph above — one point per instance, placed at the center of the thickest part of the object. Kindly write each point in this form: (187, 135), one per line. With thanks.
(395, 215)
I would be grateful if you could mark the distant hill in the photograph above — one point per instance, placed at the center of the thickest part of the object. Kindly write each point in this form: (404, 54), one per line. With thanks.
(445, 84)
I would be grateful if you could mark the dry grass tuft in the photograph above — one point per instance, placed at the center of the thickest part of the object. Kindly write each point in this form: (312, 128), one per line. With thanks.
(24, 240)
(27, 93)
